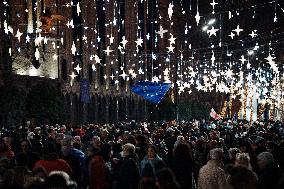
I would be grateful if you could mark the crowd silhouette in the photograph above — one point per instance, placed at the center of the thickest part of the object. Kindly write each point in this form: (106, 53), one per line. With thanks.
(221, 154)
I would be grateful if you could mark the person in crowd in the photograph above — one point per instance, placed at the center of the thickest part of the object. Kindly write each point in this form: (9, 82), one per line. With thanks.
(51, 160)
(16, 178)
(241, 177)
(153, 159)
(269, 173)
(166, 179)
(183, 165)
(60, 180)
(74, 157)
(232, 155)
(127, 171)
(245, 146)
(26, 150)
(99, 173)
(5, 150)
(212, 175)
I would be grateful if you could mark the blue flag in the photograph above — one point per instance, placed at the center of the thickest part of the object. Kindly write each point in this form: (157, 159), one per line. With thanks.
(84, 91)
(151, 91)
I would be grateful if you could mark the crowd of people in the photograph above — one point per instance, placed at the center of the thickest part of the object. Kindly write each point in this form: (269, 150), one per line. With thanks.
(221, 154)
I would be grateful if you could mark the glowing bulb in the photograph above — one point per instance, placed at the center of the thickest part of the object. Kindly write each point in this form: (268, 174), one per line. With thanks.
(205, 28)
(212, 21)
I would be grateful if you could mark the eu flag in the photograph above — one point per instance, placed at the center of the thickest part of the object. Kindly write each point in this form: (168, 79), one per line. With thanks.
(151, 91)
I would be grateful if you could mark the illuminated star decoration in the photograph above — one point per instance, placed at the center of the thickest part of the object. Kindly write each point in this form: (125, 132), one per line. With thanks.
(108, 51)
(78, 68)
(123, 75)
(243, 59)
(213, 5)
(73, 75)
(232, 35)
(162, 32)
(18, 35)
(111, 39)
(212, 31)
(139, 42)
(272, 63)
(73, 49)
(123, 42)
(197, 17)
(253, 34)
(170, 49)
(172, 39)
(238, 30)
(37, 55)
(93, 67)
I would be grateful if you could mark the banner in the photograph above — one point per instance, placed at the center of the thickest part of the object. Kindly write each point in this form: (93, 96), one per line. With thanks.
(151, 91)
(84, 91)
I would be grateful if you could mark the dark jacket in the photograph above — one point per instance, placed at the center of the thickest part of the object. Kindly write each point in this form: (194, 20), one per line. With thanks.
(127, 173)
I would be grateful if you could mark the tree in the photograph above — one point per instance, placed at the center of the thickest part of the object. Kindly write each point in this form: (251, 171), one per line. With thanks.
(12, 105)
(46, 102)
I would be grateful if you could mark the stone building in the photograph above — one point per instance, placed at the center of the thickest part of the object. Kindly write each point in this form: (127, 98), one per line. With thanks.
(57, 38)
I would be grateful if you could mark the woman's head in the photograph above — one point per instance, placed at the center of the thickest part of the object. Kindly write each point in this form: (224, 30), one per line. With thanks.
(151, 152)
(25, 145)
(243, 159)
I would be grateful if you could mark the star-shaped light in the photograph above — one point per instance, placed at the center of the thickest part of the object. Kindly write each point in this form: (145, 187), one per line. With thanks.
(78, 68)
(140, 71)
(170, 49)
(123, 42)
(37, 55)
(148, 36)
(73, 49)
(238, 30)
(93, 67)
(172, 40)
(139, 42)
(73, 75)
(181, 89)
(232, 35)
(212, 31)
(229, 73)
(38, 39)
(55, 56)
(253, 34)
(108, 51)
(97, 59)
(170, 10)
(161, 32)
(133, 75)
(18, 35)
(123, 75)
(28, 38)
(112, 76)
(243, 59)
(155, 79)
(270, 59)
(197, 18)
(111, 39)
(213, 5)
